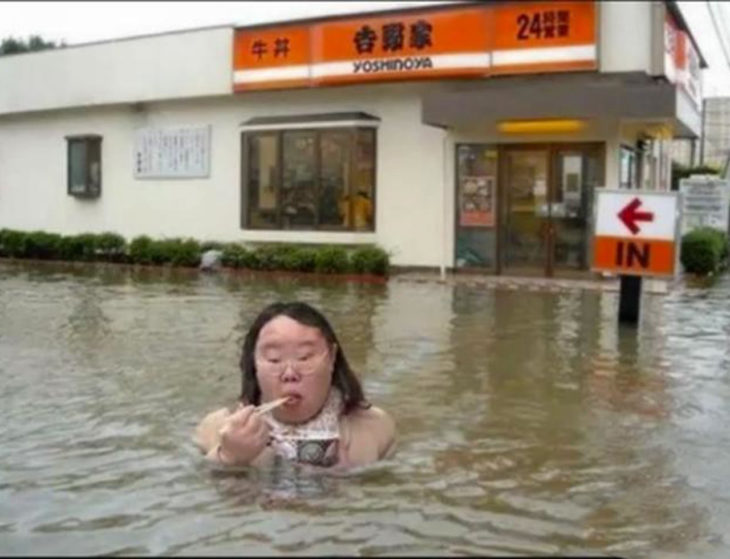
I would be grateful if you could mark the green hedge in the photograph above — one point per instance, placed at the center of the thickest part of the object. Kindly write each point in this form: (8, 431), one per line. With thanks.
(680, 172)
(111, 247)
(704, 250)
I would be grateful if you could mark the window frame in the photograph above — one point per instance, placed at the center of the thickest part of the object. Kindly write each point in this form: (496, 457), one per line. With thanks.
(634, 168)
(86, 140)
(352, 129)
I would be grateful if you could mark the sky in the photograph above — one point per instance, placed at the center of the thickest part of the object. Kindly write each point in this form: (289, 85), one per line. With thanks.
(84, 22)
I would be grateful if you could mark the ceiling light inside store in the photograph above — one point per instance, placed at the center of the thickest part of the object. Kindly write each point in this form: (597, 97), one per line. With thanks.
(540, 126)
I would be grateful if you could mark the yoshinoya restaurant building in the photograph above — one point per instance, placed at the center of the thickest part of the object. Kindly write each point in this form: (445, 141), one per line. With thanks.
(468, 135)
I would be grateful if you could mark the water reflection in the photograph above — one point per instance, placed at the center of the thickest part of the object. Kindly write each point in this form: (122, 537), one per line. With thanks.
(529, 423)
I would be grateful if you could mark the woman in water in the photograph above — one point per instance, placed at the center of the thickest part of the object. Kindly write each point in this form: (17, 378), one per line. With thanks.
(300, 400)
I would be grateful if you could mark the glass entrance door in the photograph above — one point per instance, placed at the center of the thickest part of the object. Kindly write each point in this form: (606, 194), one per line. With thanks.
(578, 171)
(524, 246)
(545, 207)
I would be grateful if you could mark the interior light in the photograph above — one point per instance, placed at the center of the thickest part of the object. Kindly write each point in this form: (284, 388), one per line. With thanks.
(540, 126)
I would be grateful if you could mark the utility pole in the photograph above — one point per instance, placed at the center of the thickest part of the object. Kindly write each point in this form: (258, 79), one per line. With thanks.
(702, 133)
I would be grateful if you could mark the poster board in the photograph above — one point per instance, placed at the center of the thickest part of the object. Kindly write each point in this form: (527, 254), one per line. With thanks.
(181, 152)
(705, 203)
(476, 201)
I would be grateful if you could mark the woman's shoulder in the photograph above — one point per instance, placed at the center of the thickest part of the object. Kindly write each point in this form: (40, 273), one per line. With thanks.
(374, 423)
(371, 415)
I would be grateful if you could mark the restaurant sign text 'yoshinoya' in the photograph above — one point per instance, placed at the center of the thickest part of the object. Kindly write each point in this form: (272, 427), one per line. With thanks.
(475, 41)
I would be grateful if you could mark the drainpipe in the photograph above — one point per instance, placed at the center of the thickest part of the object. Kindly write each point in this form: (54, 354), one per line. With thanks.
(444, 204)
(702, 133)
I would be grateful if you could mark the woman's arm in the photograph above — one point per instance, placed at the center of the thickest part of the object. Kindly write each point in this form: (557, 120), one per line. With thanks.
(368, 435)
(206, 435)
(208, 438)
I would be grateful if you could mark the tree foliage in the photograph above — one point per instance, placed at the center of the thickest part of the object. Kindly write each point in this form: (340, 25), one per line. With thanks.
(11, 45)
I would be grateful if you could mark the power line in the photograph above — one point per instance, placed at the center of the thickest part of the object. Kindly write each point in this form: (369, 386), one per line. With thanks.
(720, 36)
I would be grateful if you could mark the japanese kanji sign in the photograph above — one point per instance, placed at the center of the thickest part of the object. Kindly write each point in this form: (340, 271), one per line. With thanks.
(280, 55)
(635, 232)
(458, 41)
(539, 36)
(681, 61)
(181, 152)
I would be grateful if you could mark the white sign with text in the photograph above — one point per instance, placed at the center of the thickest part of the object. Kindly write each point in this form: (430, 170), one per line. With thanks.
(179, 152)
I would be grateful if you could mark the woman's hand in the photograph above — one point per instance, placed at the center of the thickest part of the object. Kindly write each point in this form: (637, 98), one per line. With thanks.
(242, 438)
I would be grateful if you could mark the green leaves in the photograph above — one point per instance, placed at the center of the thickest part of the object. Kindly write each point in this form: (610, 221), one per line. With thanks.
(179, 252)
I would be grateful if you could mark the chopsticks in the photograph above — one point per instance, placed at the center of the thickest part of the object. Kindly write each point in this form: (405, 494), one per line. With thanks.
(268, 406)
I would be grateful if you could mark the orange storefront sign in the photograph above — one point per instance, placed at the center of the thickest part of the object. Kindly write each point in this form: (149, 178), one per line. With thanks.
(278, 56)
(431, 43)
(544, 36)
(445, 43)
(634, 256)
(681, 61)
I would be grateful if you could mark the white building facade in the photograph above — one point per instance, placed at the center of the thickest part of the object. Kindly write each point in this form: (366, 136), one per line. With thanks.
(463, 136)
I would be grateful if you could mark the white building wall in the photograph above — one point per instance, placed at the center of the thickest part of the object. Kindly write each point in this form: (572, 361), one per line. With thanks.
(624, 36)
(168, 66)
(33, 163)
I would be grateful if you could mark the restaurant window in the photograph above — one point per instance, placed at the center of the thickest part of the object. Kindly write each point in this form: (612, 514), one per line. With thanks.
(628, 165)
(84, 166)
(309, 179)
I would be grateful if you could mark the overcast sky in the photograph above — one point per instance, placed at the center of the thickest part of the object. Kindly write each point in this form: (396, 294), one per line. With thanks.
(83, 22)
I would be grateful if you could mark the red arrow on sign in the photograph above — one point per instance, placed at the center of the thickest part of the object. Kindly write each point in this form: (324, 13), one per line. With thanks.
(630, 216)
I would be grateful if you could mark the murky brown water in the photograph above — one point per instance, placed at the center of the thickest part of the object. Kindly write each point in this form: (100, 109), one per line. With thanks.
(529, 422)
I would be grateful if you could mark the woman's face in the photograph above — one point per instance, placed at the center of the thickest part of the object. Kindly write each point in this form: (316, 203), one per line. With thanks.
(293, 360)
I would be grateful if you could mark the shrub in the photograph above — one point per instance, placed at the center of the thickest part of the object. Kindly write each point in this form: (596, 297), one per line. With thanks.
(79, 247)
(233, 255)
(185, 252)
(175, 251)
(680, 172)
(71, 248)
(301, 259)
(205, 246)
(269, 257)
(332, 260)
(248, 259)
(12, 243)
(703, 250)
(140, 250)
(723, 242)
(42, 245)
(285, 257)
(111, 247)
(143, 249)
(370, 260)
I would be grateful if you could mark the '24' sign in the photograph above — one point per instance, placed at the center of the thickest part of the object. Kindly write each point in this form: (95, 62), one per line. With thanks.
(543, 25)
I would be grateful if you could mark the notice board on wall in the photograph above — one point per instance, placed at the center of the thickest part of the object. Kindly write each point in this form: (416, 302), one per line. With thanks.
(172, 153)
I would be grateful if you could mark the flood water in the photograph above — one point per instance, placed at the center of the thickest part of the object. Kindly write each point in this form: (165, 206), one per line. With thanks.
(529, 423)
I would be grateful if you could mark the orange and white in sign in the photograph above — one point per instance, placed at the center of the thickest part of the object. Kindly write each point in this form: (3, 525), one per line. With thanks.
(635, 232)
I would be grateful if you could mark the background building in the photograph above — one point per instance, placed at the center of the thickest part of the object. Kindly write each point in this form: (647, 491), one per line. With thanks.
(468, 135)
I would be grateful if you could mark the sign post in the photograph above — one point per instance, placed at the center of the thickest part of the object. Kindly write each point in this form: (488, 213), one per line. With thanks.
(635, 236)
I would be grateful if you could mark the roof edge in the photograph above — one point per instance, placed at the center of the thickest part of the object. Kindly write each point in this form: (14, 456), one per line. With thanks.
(673, 8)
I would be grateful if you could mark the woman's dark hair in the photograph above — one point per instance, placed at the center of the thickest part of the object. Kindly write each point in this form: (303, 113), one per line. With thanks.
(342, 376)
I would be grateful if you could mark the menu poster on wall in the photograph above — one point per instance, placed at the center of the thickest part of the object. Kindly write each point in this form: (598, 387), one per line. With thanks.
(179, 152)
(476, 203)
